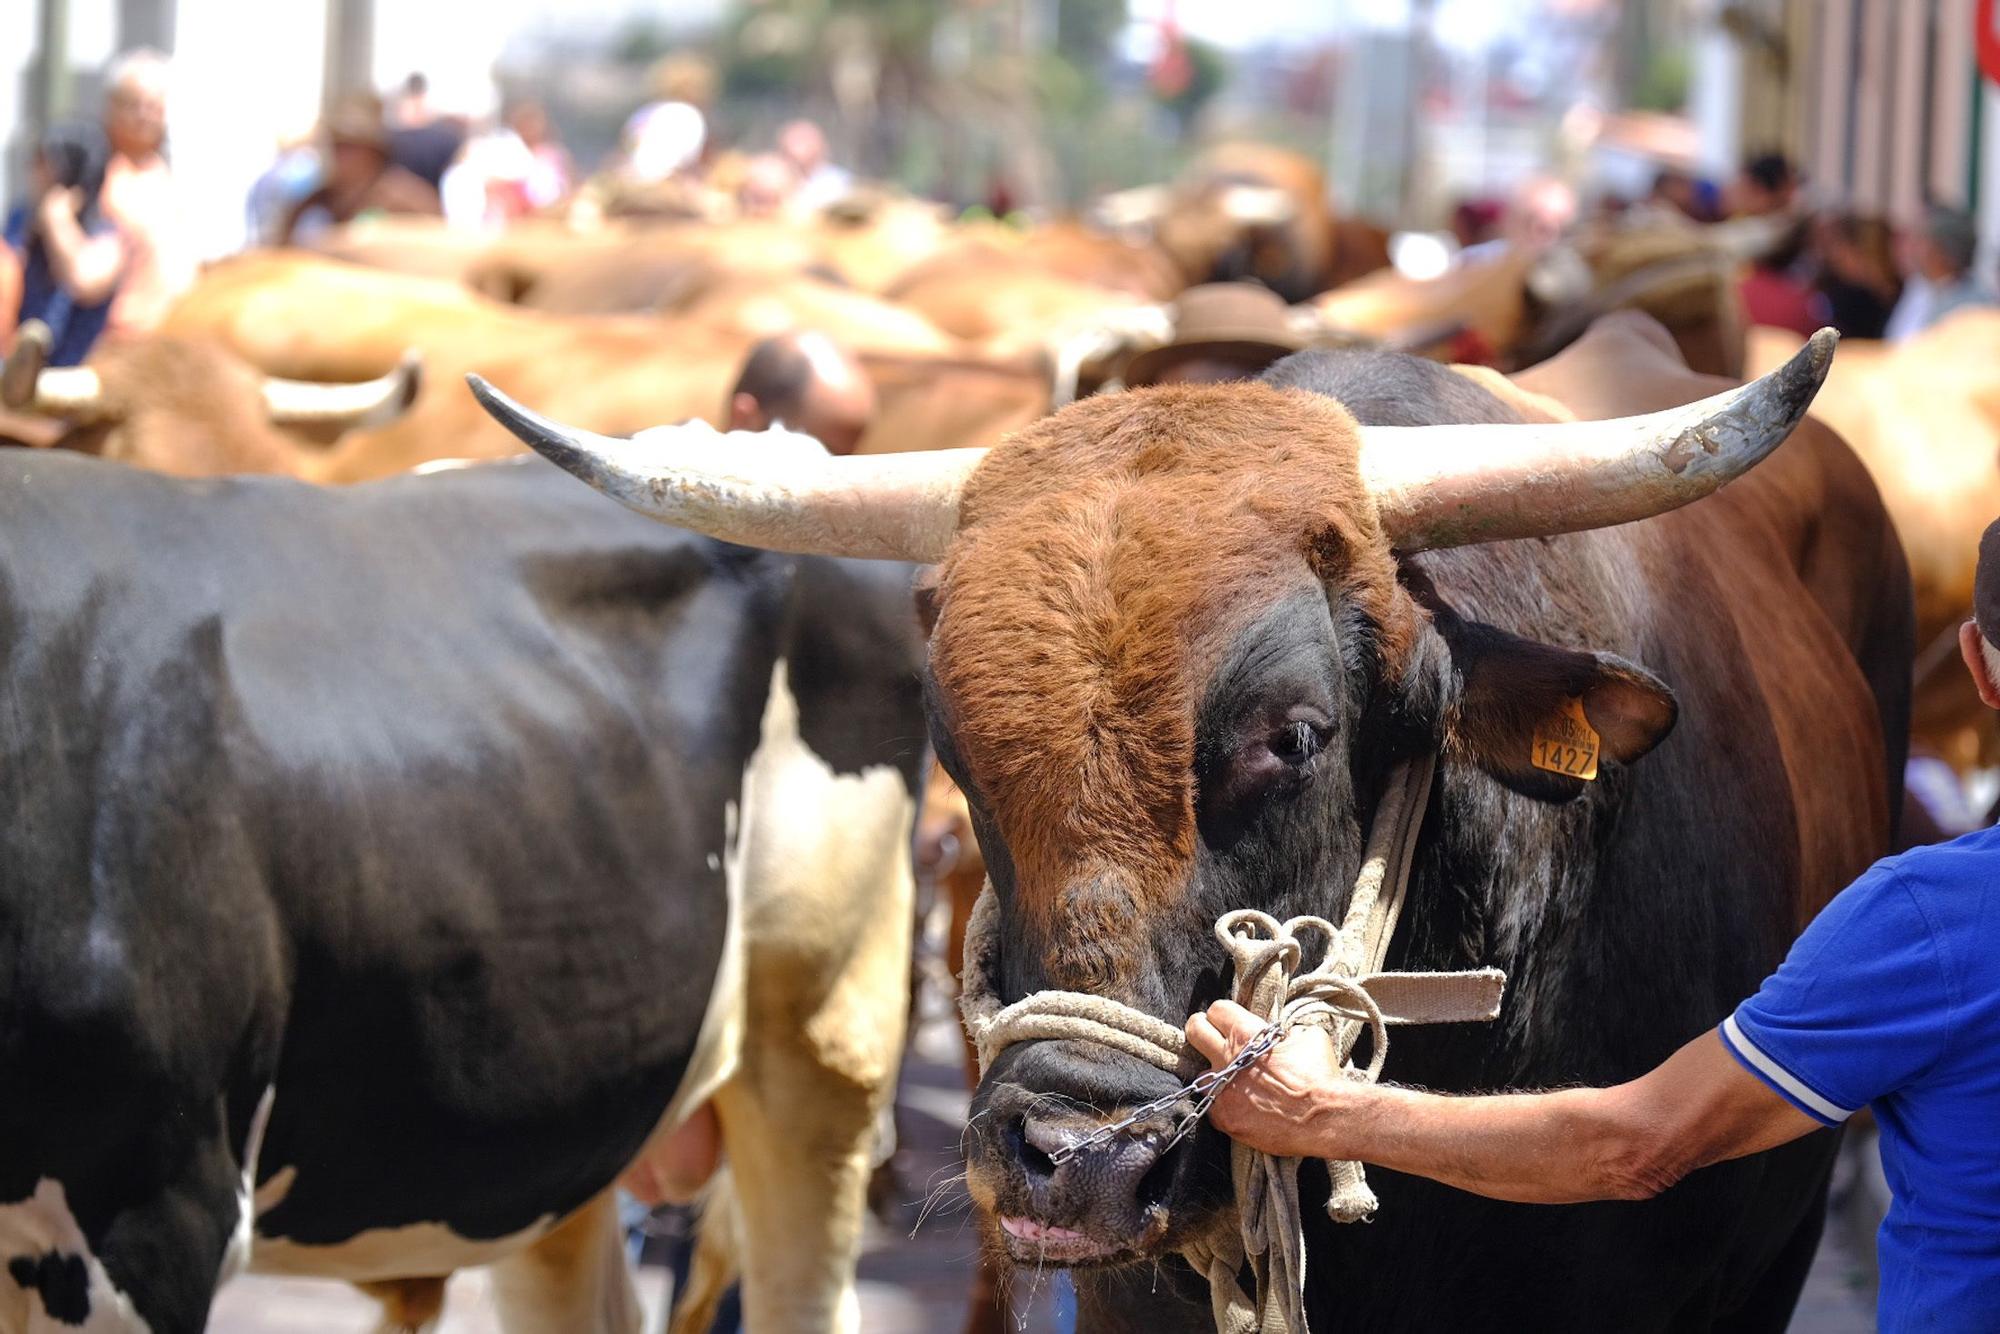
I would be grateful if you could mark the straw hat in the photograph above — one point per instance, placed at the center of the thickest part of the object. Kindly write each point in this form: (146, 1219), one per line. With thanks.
(357, 119)
(1240, 322)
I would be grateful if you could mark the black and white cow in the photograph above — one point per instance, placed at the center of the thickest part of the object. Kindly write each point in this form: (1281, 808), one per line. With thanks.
(375, 868)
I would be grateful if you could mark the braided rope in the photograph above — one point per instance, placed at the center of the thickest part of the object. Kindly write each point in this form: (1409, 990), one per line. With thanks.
(1343, 993)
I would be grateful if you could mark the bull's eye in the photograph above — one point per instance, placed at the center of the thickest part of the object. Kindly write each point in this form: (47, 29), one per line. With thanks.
(1296, 743)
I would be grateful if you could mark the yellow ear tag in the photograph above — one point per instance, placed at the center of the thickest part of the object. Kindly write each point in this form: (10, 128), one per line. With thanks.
(1566, 743)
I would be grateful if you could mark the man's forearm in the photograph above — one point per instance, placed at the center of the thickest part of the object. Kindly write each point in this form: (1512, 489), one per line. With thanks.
(1541, 1148)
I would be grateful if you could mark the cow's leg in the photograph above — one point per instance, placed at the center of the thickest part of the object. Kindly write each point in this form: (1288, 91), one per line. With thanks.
(800, 1160)
(717, 1262)
(575, 1280)
(154, 1266)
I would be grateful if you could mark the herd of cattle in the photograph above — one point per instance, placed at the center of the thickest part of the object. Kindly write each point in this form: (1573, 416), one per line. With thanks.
(390, 870)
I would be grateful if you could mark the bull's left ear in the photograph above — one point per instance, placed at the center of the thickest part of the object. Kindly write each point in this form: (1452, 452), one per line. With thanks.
(1542, 719)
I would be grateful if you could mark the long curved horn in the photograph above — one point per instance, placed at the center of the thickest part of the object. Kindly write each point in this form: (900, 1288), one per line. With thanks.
(775, 489)
(348, 406)
(1447, 486)
(29, 384)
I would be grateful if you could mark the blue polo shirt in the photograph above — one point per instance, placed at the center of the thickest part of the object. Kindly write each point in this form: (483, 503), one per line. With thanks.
(1892, 998)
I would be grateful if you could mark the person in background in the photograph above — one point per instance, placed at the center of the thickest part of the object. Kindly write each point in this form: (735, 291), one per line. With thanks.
(1222, 331)
(130, 251)
(1941, 278)
(1890, 999)
(1857, 275)
(293, 174)
(422, 142)
(668, 136)
(1767, 184)
(803, 144)
(360, 177)
(1774, 293)
(769, 186)
(807, 383)
(550, 171)
(69, 164)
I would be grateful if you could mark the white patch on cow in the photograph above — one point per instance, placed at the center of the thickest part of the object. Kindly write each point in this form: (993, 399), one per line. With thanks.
(237, 1258)
(32, 1228)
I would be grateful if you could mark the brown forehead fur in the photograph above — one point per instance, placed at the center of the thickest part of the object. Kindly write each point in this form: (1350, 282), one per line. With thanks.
(1104, 557)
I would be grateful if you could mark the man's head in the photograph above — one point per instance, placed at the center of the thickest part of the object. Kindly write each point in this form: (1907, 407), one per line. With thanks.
(1222, 332)
(803, 144)
(1949, 242)
(806, 382)
(1767, 184)
(135, 103)
(357, 141)
(1977, 637)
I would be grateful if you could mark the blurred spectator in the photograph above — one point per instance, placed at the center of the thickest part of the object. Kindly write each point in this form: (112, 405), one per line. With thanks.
(359, 176)
(1222, 331)
(113, 238)
(1857, 273)
(803, 144)
(1941, 277)
(1774, 293)
(1676, 191)
(510, 172)
(68, 164)
(552, 172)
(422, 142)
(666, 137)
(1475, 222)
(292, 175)
(1767, 184)
(769, 183)
(806, 383)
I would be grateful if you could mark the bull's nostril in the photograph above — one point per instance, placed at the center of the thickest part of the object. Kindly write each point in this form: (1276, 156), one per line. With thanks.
(1032, 1159)
(1154, 1185)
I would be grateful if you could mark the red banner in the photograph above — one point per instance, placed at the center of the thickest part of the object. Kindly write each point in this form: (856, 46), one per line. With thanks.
(1988, 38)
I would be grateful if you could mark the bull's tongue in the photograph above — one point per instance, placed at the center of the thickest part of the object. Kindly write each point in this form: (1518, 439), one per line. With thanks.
(1027, 1229)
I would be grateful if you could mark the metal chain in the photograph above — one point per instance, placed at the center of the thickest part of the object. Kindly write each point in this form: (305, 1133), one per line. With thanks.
(1204, 1088)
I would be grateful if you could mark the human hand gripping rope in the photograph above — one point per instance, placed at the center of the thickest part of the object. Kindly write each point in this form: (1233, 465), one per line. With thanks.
(1344, 993)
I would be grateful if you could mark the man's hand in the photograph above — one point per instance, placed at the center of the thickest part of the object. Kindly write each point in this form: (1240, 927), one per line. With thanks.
(55, 212)
(1283, 1103)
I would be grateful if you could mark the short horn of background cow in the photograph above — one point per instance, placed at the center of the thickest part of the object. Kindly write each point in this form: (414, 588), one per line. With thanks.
(370, 403)
(1452, 486)
(29, 383)
(876, 506)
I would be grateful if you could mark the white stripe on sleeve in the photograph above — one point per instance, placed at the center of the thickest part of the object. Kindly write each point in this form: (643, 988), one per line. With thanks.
(1782, 1077)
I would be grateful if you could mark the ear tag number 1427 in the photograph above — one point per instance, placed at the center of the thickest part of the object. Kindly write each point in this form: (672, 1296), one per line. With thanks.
(1566, 743)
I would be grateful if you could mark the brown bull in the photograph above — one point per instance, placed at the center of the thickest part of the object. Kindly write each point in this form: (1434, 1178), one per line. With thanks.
(1183, 636)
(1925, 418)
(1253, 211)
(188, 406)
(295, 315)
(1521, 306)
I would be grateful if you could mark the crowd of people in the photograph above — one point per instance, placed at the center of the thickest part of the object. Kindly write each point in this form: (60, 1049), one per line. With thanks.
(1835, 266)
(98, 245)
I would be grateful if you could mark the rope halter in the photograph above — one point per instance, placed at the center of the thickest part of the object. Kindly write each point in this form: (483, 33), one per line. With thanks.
(1344, 993)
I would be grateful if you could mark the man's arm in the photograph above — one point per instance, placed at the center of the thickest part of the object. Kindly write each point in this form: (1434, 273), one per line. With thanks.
(1628, 1142)
(87, 266)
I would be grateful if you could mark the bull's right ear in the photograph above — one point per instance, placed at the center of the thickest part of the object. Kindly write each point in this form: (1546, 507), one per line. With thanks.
(1542, 719)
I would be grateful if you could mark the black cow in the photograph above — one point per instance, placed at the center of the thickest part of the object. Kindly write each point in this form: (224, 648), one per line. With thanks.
(364, 875)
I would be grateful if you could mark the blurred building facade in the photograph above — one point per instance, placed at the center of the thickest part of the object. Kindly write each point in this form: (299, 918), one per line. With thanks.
(1882, 101)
